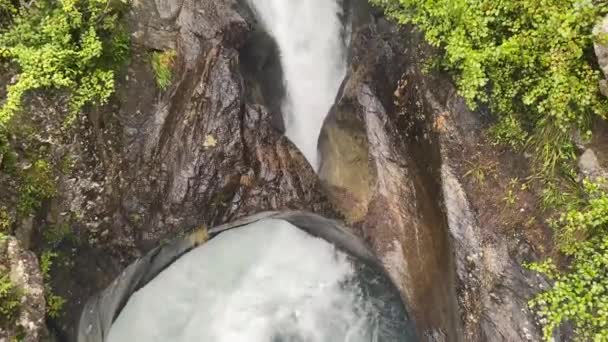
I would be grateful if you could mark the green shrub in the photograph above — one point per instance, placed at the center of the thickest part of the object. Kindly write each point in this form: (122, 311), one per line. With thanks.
(8, 158)
(508, 131)
(37, 185)
(528, 60)
(7, 11)
(6, 221)
(162, 64)
(580, 294)
(57, 233)
(66, 45)
(10, 300)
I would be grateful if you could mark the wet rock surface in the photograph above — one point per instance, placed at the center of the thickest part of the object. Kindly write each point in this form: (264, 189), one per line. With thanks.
(396, 209)
(444, 242)
(24, 272)
(154, 164)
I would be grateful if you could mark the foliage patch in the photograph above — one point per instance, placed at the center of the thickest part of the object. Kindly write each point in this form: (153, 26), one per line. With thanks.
(580, 294)
(62, 45)
(10, 301)
(529, 61)
(162, 64)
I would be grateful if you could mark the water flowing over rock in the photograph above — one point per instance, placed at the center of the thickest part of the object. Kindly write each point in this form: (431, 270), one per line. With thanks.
(155, 173)
(269, 280)
(311, 40)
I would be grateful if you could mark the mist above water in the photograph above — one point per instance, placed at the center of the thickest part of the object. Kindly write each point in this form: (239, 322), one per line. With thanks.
(309, 35)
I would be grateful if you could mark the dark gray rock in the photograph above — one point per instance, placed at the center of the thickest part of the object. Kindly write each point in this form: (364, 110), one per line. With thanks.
(493, 287)
(589, 165)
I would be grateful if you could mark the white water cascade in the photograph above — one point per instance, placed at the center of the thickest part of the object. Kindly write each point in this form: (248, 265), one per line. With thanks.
(309, 35)
(267, 282)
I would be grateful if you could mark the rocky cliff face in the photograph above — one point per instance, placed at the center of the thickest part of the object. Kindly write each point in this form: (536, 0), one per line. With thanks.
(398, 153)
(154, 164)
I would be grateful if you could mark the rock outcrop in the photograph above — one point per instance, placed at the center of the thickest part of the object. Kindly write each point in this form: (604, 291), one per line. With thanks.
(601, 51)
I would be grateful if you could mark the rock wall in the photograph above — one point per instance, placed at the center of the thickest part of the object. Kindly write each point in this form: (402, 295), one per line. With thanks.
(381, 186)
(401, 176)
(156, 163)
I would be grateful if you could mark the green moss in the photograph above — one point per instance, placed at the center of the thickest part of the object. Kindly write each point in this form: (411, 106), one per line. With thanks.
(6, 221)
(67, 164)
(57, 233)
(8, 158)
(162, 64)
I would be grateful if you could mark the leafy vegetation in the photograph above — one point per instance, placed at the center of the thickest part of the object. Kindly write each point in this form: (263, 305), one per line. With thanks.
(54, 303)
(68, 45)
(162, 64)
(579, 295)
(10, 301)
(37, 185)
(6, 220)
(479, 171)
(527, 60)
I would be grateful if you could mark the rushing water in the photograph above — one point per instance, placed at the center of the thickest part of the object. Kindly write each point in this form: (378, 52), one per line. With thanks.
(266, 282)
(309, 34)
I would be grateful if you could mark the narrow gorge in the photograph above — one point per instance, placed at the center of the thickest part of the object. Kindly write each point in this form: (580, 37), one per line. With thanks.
(317, 111)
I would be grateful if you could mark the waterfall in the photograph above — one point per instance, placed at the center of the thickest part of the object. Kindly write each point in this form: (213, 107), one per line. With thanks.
(309, 34)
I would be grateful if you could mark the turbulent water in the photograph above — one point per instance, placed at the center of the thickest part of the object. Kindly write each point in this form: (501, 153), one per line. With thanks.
(267, 282)
(309, 34)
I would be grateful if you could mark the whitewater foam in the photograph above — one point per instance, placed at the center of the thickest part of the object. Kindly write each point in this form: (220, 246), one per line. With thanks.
(266, 282)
